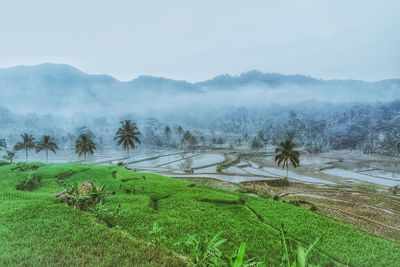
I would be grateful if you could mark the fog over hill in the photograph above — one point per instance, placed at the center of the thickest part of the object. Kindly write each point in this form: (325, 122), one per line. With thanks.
(61, 100)
(64, 90)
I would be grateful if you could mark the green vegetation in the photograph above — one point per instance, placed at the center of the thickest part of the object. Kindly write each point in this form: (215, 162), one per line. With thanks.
(140, 221)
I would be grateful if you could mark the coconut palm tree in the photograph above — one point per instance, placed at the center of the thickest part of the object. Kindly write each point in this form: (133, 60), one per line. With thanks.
(179, 130)
(285, 153)
(47, 143)
(127, 135)
(3, 144)
(28, 142)
(84, 145)
(167, 132)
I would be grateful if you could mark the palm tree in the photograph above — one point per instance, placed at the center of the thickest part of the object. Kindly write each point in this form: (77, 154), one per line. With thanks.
(28, 142)
(214, 141)
(84, 145)
(285, 153)
(127, 135)
(2, 144)
(47, 143)
(179, 130)
(203, 140)
(167, 130)
(220, 141)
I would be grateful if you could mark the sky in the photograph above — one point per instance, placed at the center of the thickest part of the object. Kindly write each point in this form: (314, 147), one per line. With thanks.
(197, 40)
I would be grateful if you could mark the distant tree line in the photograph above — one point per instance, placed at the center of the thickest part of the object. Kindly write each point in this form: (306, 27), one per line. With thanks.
(127, 136)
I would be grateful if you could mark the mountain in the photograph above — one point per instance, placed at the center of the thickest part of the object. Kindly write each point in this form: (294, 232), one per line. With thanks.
(59, 88)
(257, 77)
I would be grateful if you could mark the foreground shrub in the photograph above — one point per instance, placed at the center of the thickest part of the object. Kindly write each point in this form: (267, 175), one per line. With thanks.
(237, 259)
(156, 234)
(30, 183)
(83, 196)
(293, 257)
(206, 253)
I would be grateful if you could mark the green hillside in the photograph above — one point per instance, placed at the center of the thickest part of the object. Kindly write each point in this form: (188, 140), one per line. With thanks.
(37, 230)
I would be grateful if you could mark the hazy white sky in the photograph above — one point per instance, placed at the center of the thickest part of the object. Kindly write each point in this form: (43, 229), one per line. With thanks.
(196, 40)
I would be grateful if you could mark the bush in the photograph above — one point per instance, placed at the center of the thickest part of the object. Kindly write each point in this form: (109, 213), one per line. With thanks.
(110, 217)
(186, 164)
(219, 168)
(120, 164)
(313, 207)
(31, 183)
(156, 234)
(83, 196)
(276, 197)
(278, 182)
(294, 202)
(395, 190)
(205, 253)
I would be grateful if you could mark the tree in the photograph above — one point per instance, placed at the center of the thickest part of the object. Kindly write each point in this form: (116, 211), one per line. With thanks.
(28, 142)
(179, 130)
(203, 140)
(220, 141)
(193, 142)
(3, 144)
(246, 137)
(127, 135)
(256, 144)
(186, 138)
(214, 141)
(47, 143)
(10, 156)
(167, 133)
(262, 138)
(84, 145)
(285, 153)
(238, 142)
(167, 130)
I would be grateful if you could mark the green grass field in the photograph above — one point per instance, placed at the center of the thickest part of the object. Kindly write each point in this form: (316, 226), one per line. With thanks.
(34, 230)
